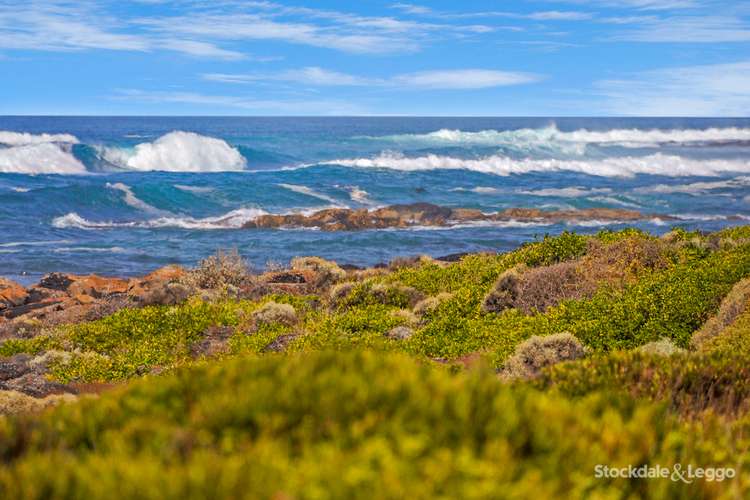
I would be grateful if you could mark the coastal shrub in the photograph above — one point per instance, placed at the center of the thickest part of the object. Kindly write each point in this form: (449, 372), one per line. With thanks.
(504, 293)
(733, 340)
(327, 272)
(273, 312)
(735, 303)
(671, 302)
(663, 347)
(133, 341)
(538, 352)
(689, 382)
(426, 306)
(218, 270)
(18, 403)
(369, 293)
(355, 425)
(543, 287)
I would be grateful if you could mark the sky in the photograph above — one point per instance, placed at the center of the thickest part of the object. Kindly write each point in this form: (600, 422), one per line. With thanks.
(444, 58)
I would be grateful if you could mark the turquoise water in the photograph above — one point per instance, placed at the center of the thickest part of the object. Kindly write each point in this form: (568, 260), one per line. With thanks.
(126, 195)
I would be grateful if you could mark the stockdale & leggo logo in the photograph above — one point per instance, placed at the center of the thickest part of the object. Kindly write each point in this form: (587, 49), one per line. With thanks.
(678, 472)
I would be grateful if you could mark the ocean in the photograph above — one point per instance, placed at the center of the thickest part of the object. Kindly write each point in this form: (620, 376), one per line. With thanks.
(126, 195)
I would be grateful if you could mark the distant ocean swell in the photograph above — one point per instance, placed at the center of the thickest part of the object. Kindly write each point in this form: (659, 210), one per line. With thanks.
(612, 153)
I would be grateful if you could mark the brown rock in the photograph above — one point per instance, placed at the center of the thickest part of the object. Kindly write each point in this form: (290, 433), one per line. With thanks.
(96, 286)
(11, 294)
(34, 384)
(427, 214)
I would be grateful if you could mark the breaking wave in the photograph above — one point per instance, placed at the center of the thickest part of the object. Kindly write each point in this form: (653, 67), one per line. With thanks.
(627, 166)
(40, 158)
(575, 141)
(177, 152)
(231, 220)
(9, 138)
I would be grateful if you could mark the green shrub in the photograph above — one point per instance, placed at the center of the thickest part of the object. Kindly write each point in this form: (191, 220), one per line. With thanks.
(357, 425)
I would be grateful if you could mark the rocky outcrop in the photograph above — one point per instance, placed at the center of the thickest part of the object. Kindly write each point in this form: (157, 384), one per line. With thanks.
(427, 214)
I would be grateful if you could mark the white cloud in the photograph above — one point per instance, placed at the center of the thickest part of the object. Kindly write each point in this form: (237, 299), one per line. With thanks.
(707, 90)
(437, 79)
(463, 79)
(201, 49)
(641, 4)
(692, 29)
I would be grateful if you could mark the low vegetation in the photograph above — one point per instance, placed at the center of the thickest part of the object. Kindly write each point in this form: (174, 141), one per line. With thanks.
(619, 348)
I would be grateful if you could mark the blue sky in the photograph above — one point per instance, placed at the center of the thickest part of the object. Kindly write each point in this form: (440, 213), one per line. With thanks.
(530, 58)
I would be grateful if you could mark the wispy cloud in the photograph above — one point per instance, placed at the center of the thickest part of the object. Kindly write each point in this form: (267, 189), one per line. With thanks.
(546, 15)
(706, 90)
(240, 104)
(642, 4)
(690, 29)
(441, 79)
(203, 29)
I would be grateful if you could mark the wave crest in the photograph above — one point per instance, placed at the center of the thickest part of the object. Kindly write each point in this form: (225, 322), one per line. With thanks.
(40, 158)
(231, 220)
(627, 166)
(178, 151)
(10, 138)
(574, 141)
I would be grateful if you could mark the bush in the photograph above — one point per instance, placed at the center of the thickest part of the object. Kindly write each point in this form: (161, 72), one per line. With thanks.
(504, 293)
(537, 352)
(319, 426)
(273, 312)
(327, 273)
(219, 270)
(735, 303)
(663, 347)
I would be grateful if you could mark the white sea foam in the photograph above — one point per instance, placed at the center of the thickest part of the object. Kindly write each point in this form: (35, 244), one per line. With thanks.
(360, 195)
(132, 200)
(90, 250)
(696, 187)
(574, 141)
(231, 220)
(566, 192)
(194, 189)
(178, 152)
(478, 190)
(615, 201)
(21, 190)
(40, 158)
(9, 138)
(310, 192)
(628, 166)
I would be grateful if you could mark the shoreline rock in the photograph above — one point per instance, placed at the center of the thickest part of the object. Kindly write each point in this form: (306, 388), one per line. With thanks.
(427, 214)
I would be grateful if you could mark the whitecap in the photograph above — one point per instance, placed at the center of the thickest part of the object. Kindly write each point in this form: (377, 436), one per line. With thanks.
(231, 220)
(10, 138)
(573, 141)
(40, 158)
(628, 166)
(177, 151)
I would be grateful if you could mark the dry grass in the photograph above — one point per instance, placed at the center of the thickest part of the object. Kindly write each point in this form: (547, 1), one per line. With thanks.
(538, 352)
(735, 303)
